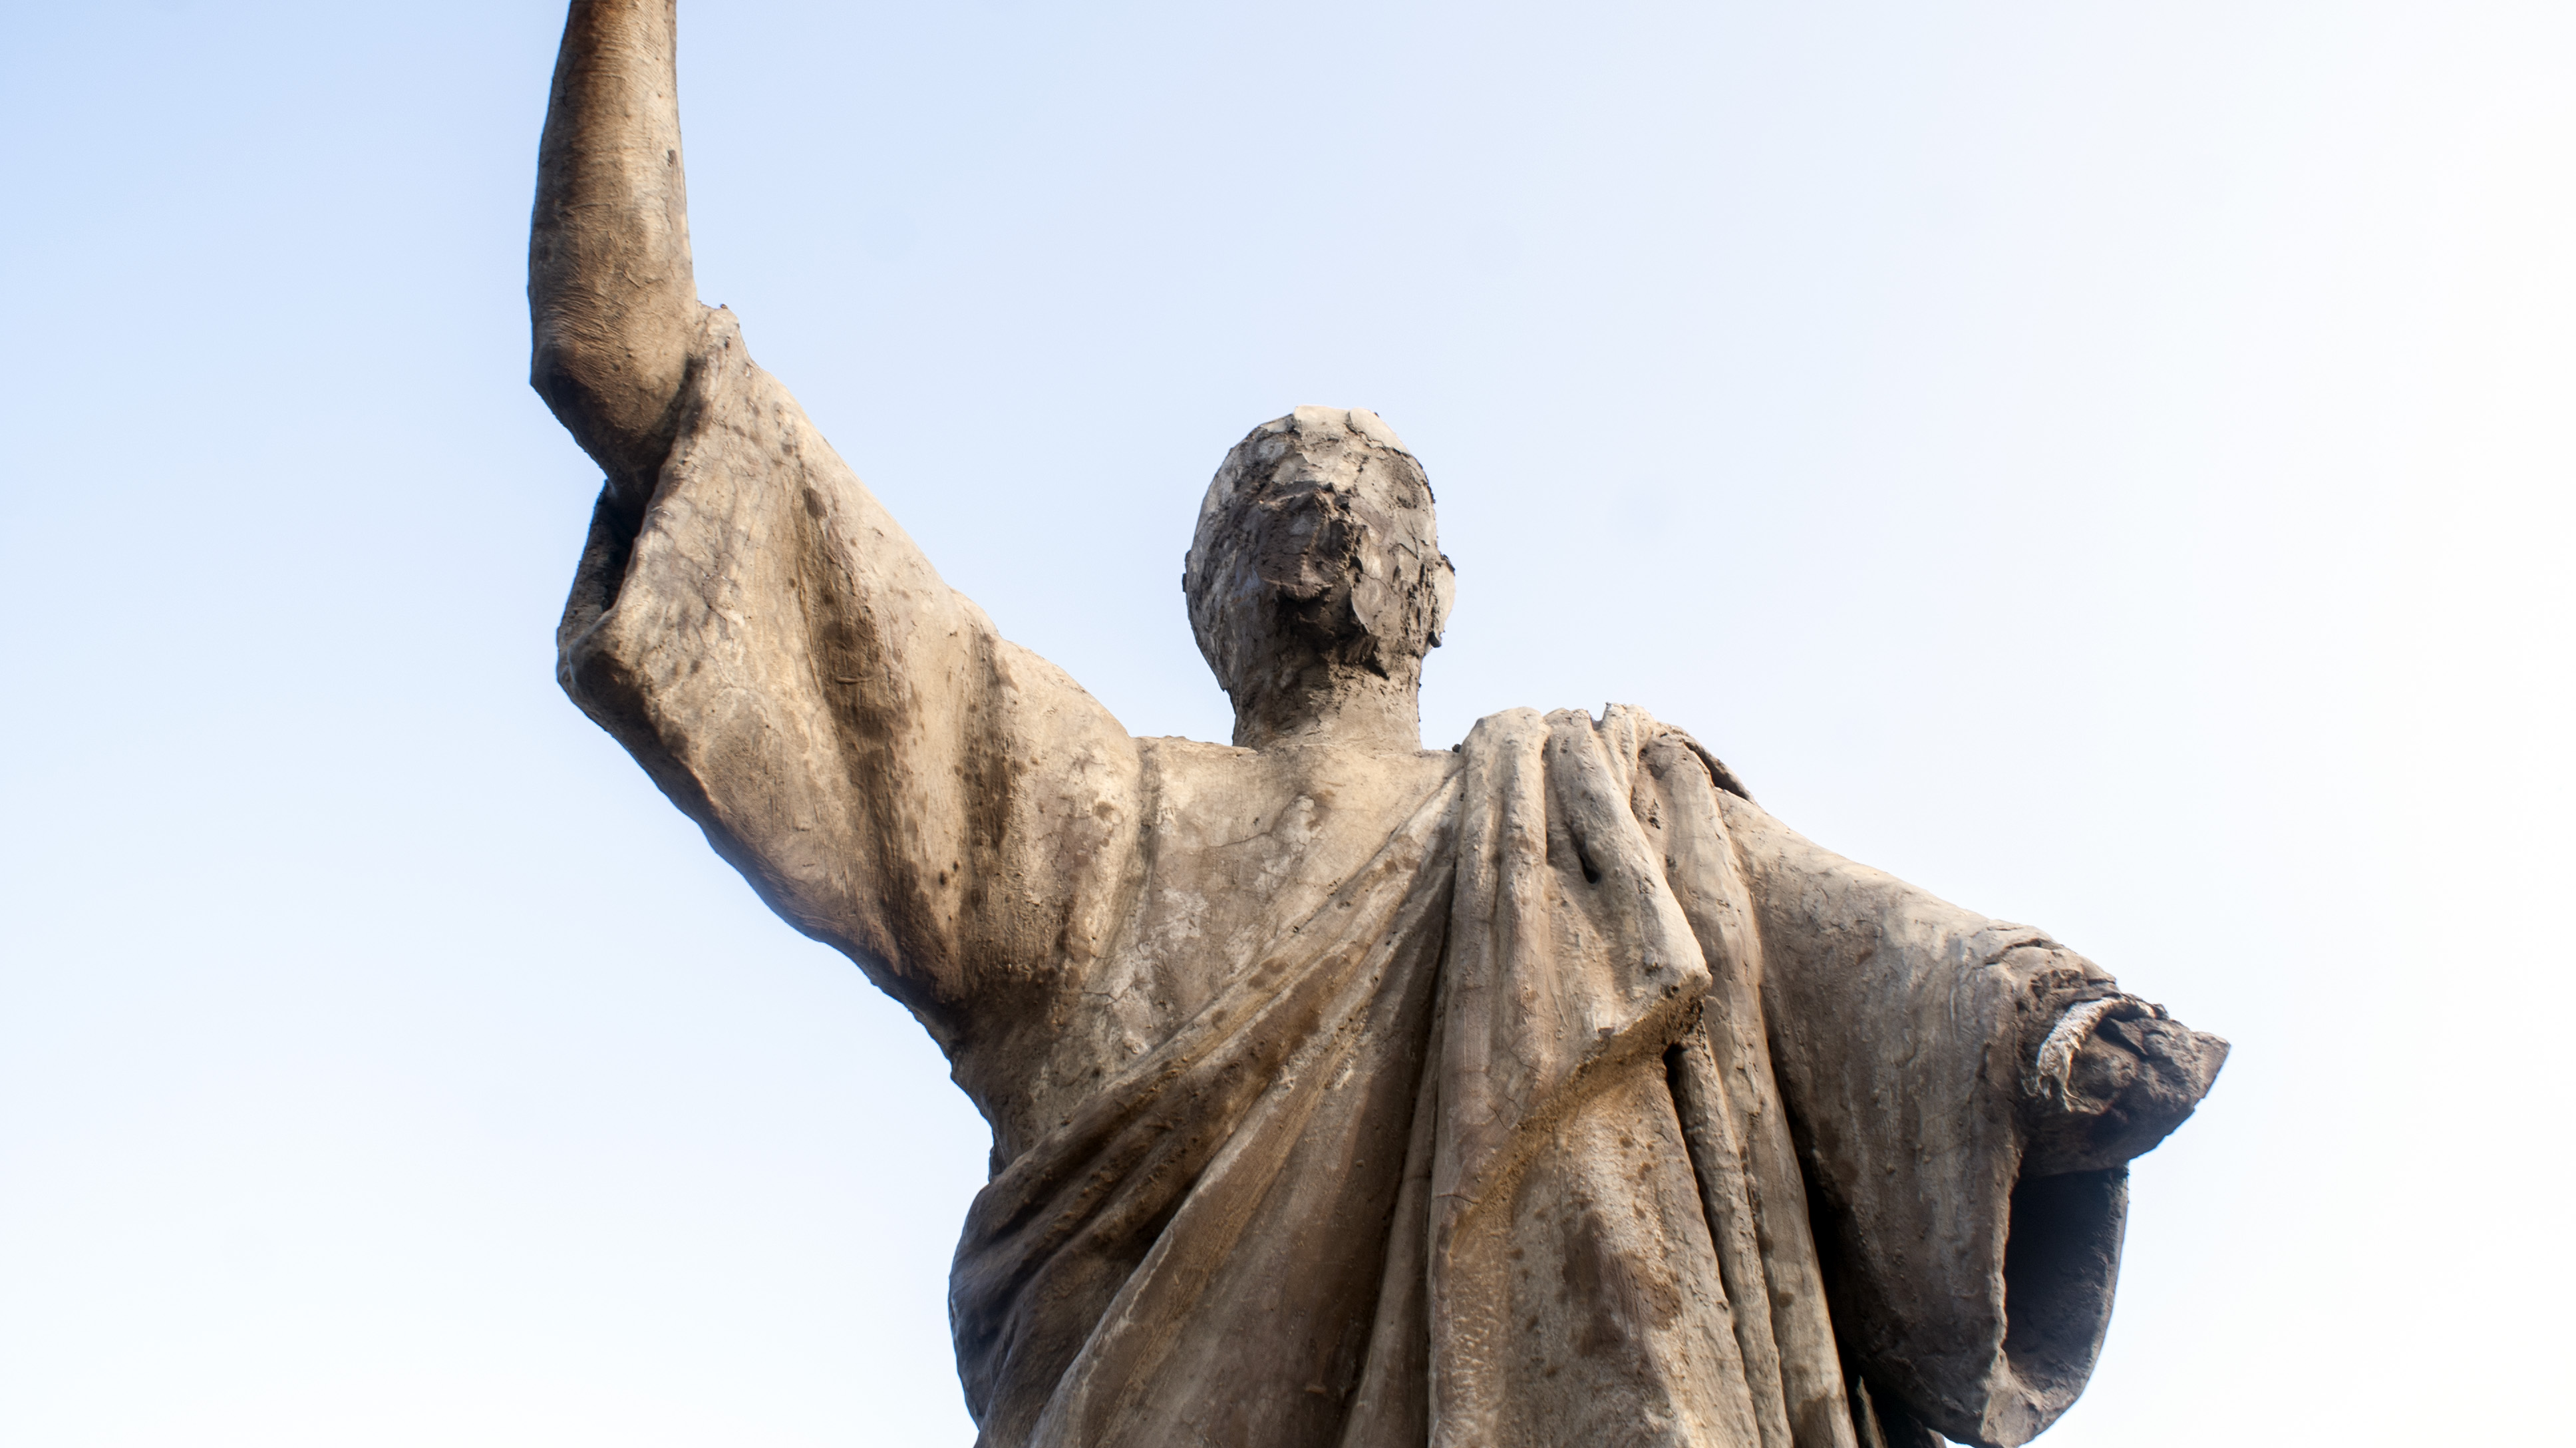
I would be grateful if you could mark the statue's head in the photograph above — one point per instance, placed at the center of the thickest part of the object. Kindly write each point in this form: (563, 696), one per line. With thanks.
(1316, 566)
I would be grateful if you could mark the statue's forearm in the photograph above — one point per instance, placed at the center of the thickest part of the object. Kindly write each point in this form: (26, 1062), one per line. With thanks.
(610, 294)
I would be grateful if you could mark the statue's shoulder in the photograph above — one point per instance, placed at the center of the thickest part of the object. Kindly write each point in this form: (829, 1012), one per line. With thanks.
(1172, 760)
(1178, 749)
(1187, 775)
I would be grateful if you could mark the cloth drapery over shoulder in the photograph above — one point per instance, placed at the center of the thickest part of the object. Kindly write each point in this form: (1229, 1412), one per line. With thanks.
(1387, 1189)
(1596, 1107)
(1301, 1220)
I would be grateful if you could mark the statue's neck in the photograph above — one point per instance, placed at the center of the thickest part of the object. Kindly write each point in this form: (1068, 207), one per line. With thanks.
(1334, 706)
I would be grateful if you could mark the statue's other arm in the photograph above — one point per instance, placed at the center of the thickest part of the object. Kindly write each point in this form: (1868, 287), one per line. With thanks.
(892, 775)
(610, 294)
(1966, 1094)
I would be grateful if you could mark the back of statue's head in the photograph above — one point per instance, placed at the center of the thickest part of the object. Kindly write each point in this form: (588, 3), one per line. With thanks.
(1316, 543)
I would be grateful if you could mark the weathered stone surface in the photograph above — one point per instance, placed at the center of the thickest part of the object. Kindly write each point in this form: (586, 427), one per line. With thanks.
(1544, 1090)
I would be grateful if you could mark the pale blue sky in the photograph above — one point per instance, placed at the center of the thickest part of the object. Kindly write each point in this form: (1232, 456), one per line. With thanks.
(2109, 465)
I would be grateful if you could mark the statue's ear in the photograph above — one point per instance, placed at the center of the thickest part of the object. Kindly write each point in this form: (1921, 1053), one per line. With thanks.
(1444, 592)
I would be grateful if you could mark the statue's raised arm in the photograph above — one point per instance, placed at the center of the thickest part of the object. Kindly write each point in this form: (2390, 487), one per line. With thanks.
(610, 295)
(892, 775)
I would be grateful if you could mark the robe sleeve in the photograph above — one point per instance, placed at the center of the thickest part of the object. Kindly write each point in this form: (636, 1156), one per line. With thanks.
(1900, 1027)
(852, 734)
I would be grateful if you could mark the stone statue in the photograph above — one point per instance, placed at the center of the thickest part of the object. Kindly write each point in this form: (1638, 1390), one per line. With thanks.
(1541, 1090)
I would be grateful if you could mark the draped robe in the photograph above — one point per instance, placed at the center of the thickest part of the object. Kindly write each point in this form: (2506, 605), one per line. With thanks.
(1541, 1091)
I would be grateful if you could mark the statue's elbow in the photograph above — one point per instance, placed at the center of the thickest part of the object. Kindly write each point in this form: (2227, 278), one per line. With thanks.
(581, 386)
(558, 379)
(624, 428)
(556, 374)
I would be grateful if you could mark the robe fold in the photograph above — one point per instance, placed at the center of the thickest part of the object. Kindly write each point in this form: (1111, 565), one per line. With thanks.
(1547, 1091)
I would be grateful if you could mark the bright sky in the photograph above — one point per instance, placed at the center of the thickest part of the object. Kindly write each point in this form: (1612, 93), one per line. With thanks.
(2110, 465)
